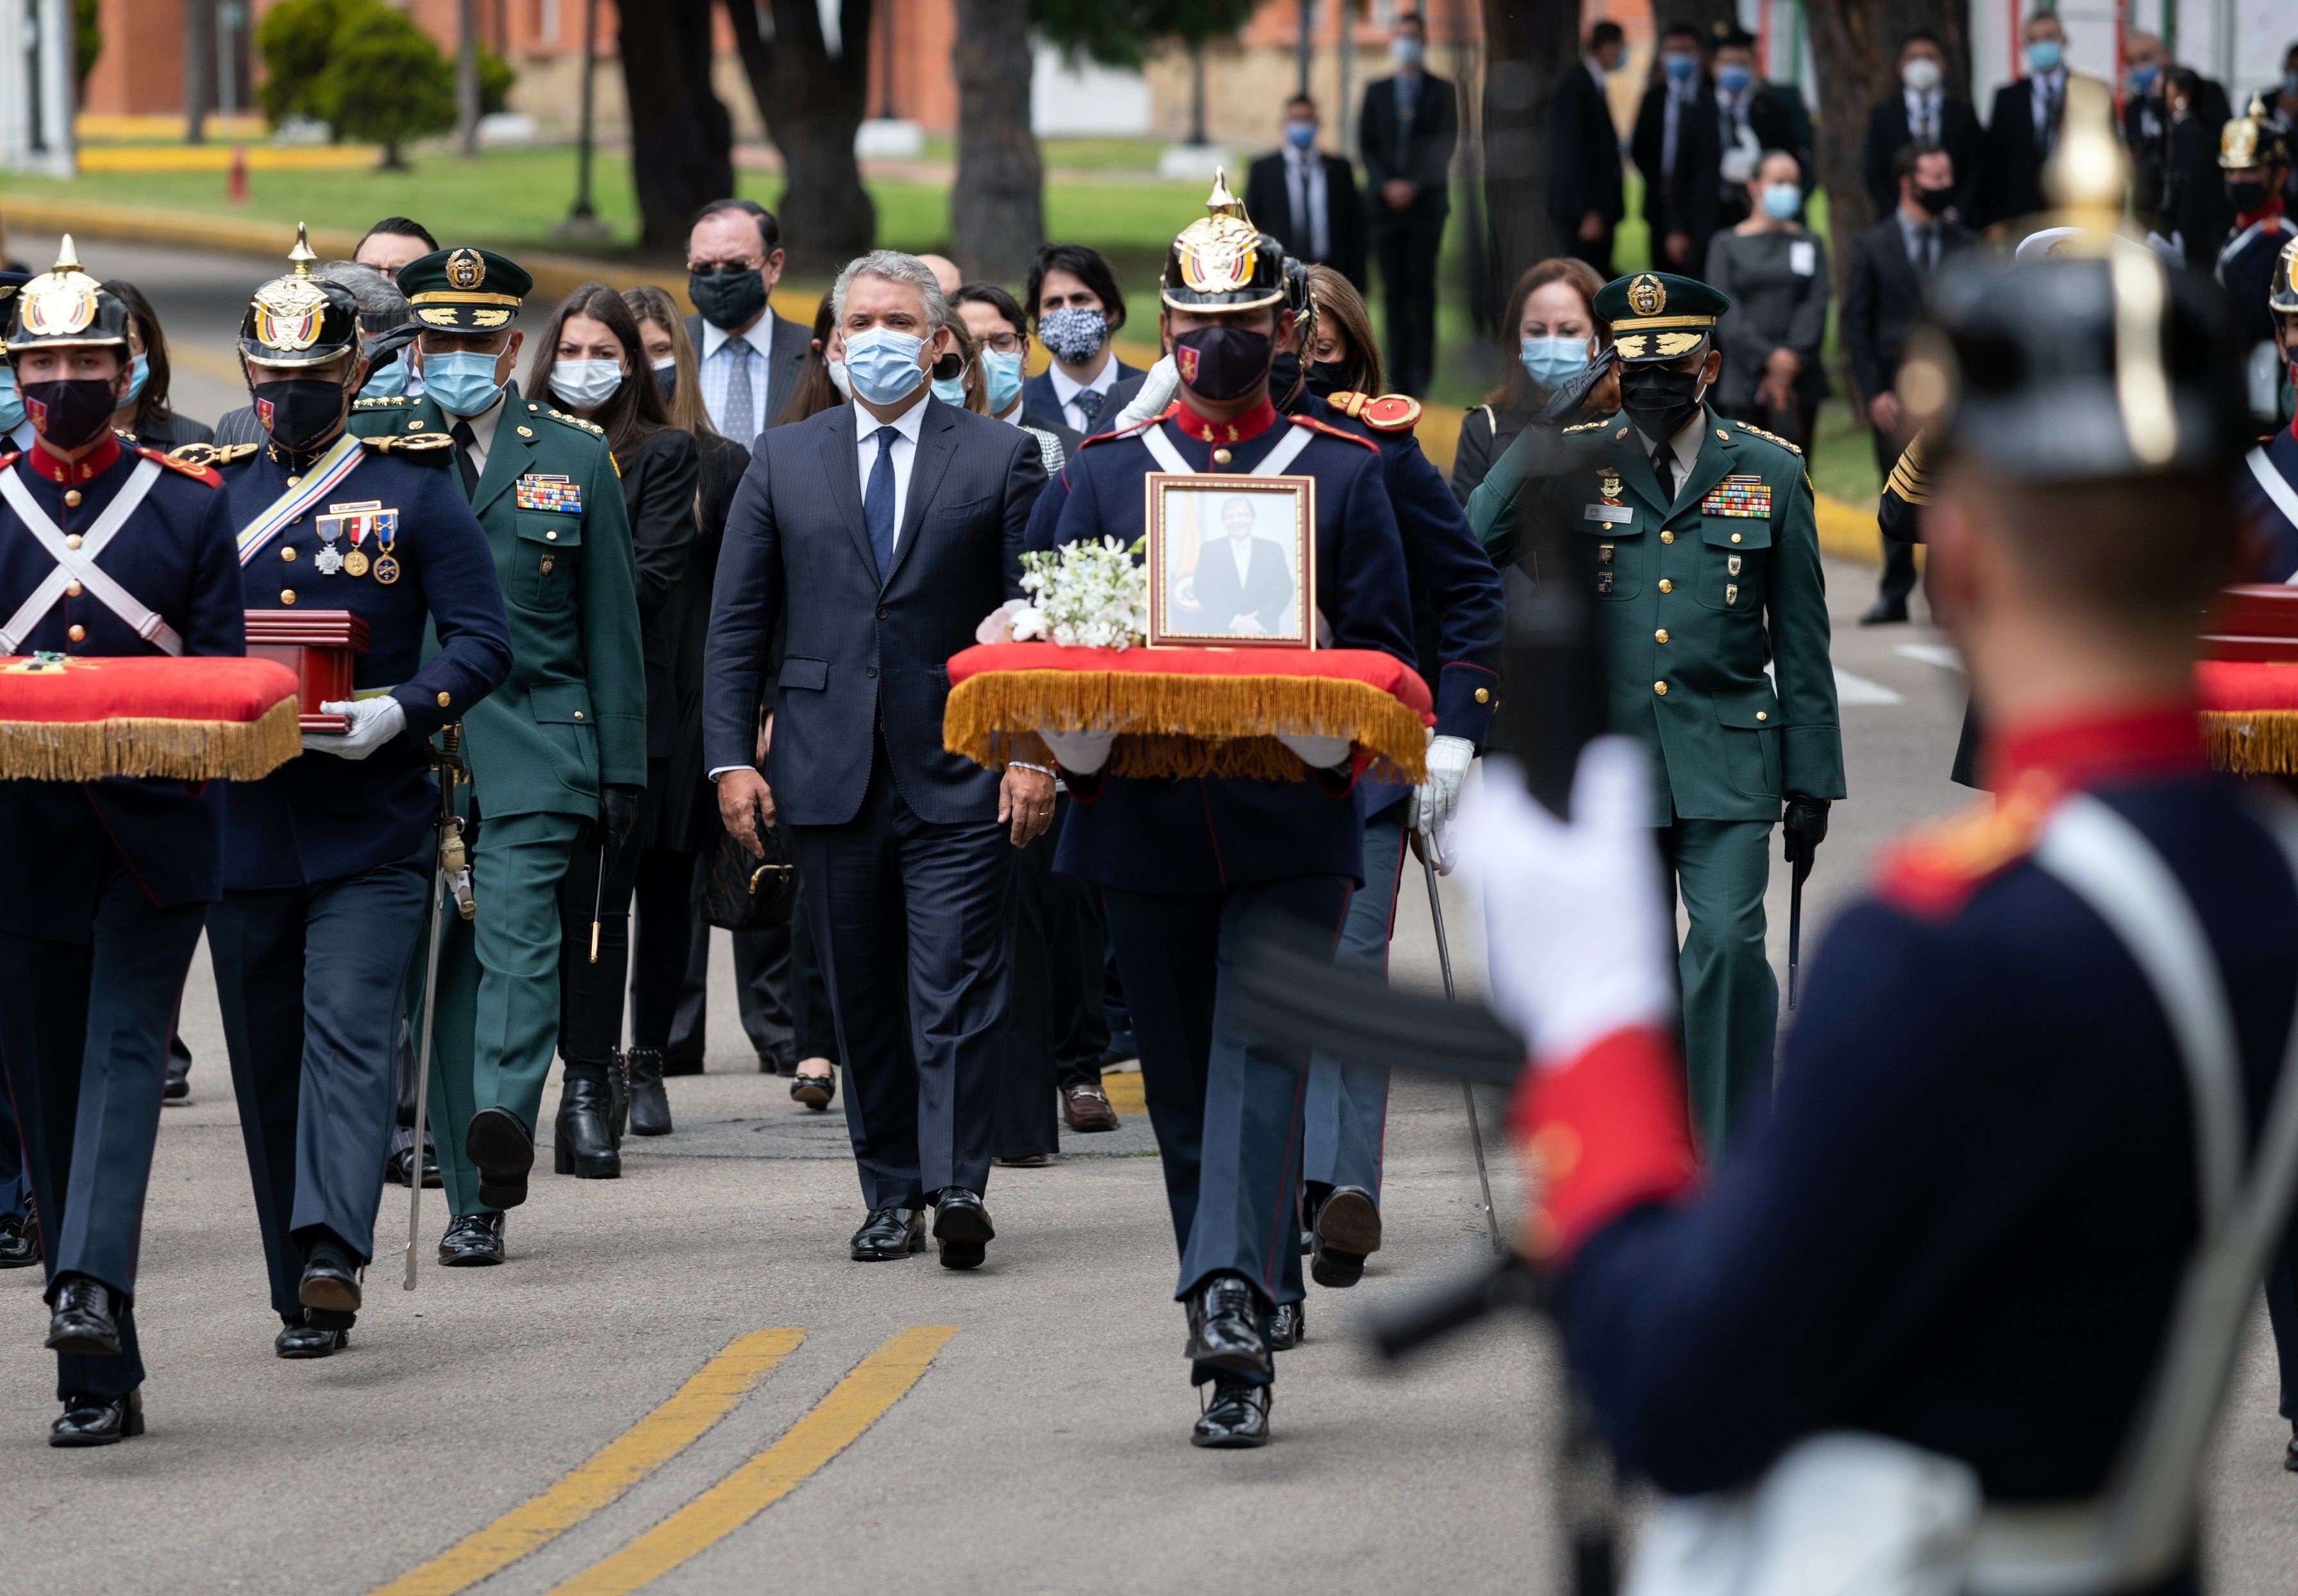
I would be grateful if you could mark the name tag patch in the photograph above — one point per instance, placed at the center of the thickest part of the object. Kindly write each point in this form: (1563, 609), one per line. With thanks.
(1612, 515)
(559, 493)
(1749, 497)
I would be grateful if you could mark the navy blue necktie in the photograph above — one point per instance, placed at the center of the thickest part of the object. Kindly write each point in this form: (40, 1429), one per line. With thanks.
(878, 500)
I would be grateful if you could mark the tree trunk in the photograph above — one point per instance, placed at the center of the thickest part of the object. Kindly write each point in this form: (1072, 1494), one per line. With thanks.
(1855, 47)
(1197, 91)
(467, 78)
(996, 209)
(812, 103)
(1527, 44)
(682, 138)
(199, 67)
(1701, 15)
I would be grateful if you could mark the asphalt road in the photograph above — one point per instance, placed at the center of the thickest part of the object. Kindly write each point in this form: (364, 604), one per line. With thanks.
(681, 1379)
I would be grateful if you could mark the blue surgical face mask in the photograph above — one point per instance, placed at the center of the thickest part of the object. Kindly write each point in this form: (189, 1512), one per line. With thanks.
(11, 403)
(950, 391)
(1301, 135)
(1553, 361)
(1781, 201)
(1735, 78)
(2142, 78)
(139, 372)
(1002, 372)
(1407, 51)
(462, 380)
(389, 383)
(2044, 55)
(1679, 64)
(883, 364)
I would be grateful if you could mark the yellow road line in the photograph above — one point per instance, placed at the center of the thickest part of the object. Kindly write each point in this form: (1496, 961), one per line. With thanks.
(856, 1402)
(647, 1444)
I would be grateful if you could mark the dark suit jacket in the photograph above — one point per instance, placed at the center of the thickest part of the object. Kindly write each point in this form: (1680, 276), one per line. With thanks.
(1960, 135)
(1038, 398)
(1264, 590)
(1268, 200)
(1883, 300)
(1583, 152)
(785, 361)
(680, 814)
(2010, 161)
(1427, 157)
(861, 651)
(1684, 201)
(1069, 436)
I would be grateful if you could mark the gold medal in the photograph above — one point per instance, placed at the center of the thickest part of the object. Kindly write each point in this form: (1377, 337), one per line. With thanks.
(355, 564)
(386, 569)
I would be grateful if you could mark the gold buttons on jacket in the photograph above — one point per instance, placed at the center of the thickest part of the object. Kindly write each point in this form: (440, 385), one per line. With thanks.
(1484, 695)
(72, 498)
(1221, 456)
(554, 536)
(1660, 688)
(287, 595)
(72, 589)
(1666, 586)
(71, 540)
(1735, 537)
(78, 634)
(1725, 436)
(287, 554)
(1667, 536)
(578, 715)
(1660, 636)
(526, 431)
(1763, 715)
(446, 698)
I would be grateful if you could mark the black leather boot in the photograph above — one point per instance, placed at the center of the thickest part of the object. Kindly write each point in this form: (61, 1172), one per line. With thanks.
(649, 1104)
(586, 1130)
(618, 1095)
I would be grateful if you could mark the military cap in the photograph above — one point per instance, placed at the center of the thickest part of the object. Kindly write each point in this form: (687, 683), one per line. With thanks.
(299, 319)
(2282, 288)
(2253, 140)
(1658, 316)
(10, 281)
(465, 289)
(63, 307)
(1220, 261)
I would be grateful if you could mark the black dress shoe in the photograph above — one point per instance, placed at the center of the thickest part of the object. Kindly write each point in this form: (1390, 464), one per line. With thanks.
(1288, 1326)
(583, 1140)
(1885, 612)
(503, 1150)
(815, 1091)
(1225, 1328)
(98, 1420)
(473, 1240)
(890, 1233)
(677, 1064)
(19, 1241)
(177, 1090)
(649, 1104)
(1348, 1227)
(963, 1228)
(301, 1340)
(2290, 1453)
(396, 1168)
(1237, 1417)
(331, 1279)
(81, 1321)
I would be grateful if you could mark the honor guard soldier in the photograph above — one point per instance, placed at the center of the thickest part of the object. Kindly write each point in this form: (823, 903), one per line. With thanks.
(103, 550)
(1195, 870)
(2266, 489)
(19, 1243)
(328, 861)
(2254, 155)
(1989, 1256)
(1707, 571)
(559, 746)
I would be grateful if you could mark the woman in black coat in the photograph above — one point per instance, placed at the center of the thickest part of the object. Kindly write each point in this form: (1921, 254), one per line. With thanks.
(1551, 312)
(148, 417)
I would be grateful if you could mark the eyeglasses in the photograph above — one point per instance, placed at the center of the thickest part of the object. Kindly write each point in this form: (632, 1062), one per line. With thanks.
(722, 269)
(1004, 343)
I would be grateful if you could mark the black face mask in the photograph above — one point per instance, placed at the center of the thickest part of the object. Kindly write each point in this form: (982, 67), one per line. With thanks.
(1285, 378)
(1327, 377)
(69, 412)
(1659, 399)
(666, 377)
(300, 412)
(727, 300)
(2246, 196)
(1934, 200)
(1221, 363)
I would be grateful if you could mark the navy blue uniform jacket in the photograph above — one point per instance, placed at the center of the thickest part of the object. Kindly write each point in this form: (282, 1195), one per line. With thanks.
(1206, 834)
(175, 555)
(2273, 530)
(319, 818)
(1965, 1221)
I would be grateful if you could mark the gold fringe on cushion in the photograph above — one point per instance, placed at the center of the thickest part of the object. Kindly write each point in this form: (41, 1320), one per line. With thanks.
(136, 746)
(1177, 726)
(2252, 742)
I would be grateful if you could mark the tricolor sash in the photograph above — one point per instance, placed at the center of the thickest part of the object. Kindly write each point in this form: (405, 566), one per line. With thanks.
(329, 471)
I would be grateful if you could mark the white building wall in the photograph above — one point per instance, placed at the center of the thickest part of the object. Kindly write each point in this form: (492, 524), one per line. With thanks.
(1084, 100)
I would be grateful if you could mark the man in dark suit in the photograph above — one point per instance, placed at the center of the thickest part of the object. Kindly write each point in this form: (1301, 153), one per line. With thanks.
(1409, 123)
(1677, 146)
(903, 519)
(1922, 112)
(1751, 116)
(1242, 584)
(1891, 266)
(2023, 128)
(1585, 191)
(1307, 199)
(748, 359)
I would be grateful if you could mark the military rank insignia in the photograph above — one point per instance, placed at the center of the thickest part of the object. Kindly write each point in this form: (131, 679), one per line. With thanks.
(1749, 497)
(561, 495)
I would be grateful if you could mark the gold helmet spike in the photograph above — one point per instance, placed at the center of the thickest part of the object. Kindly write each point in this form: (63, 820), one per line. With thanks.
(2088, 174)
(67, 258)
(1221, 202)
(300, 257)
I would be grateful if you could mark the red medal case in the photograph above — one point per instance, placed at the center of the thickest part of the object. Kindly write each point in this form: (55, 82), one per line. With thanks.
(319, 646)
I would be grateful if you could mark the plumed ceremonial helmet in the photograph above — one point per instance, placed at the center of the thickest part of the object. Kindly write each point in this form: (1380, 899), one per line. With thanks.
(2090, 361)
(2254, 139)
(64, 306)
(298, 319)
(1221, 262)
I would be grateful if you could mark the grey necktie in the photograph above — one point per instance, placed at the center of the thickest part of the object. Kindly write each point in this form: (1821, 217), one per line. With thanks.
(741, 411)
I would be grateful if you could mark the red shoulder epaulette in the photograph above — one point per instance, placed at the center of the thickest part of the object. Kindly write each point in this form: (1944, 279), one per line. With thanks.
(11, 458)
(1384, 413)
(1330, 431)
(206, 473)
(1933, 870)
(1126, 432)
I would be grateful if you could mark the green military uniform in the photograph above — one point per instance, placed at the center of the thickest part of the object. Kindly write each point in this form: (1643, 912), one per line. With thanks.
(569, 721)
(1697, 590)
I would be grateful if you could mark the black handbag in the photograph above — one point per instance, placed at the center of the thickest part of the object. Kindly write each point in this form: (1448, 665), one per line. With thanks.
(741, 892)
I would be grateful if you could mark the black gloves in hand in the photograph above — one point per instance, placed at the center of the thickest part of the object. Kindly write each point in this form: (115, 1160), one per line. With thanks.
(618, 815)
(1804, 829)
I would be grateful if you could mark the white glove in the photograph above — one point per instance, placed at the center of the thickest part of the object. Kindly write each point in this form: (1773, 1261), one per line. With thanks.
(374, 723)
(1575, 925)
(1318, 753)
(1434, 800)
(1157, 388)
(1081, 752)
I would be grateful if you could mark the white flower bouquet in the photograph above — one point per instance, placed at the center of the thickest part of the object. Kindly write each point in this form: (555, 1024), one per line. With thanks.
(1088, 594)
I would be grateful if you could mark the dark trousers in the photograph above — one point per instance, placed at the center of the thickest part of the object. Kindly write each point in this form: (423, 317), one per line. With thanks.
(2282, 1313)
(670, 973)
(1899, 558)
(1347, 1114)
(669, 924)
(1027, 1122)
(596, 889)
(1597, 251)
(913, 924)
(1077, 940)
(84, 1032)
(311, 982)
(1409, 243)
(12, 1188)
(1226, 1104)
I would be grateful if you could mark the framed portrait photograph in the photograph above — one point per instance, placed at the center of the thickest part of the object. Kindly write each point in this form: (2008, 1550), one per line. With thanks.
(1232, 561)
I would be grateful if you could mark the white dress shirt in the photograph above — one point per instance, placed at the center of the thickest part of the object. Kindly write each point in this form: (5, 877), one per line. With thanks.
(717, 371)
(2042, 87)
(906, 453)
(1066, 389)
(22, 439)
(1304, 188)
(1926, 116)
(482, 430)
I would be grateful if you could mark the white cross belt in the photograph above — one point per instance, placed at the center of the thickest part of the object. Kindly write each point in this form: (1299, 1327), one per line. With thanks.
(79, 565)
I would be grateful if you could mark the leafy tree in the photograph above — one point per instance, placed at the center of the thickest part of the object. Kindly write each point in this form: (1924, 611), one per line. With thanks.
(87, 39)
(495, 79)
(296, 39)
(1118, 33)
(386, 82)
(812, 98)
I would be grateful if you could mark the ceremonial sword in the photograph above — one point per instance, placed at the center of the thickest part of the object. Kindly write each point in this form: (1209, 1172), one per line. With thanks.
(451, 859)
(1467, 1087)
